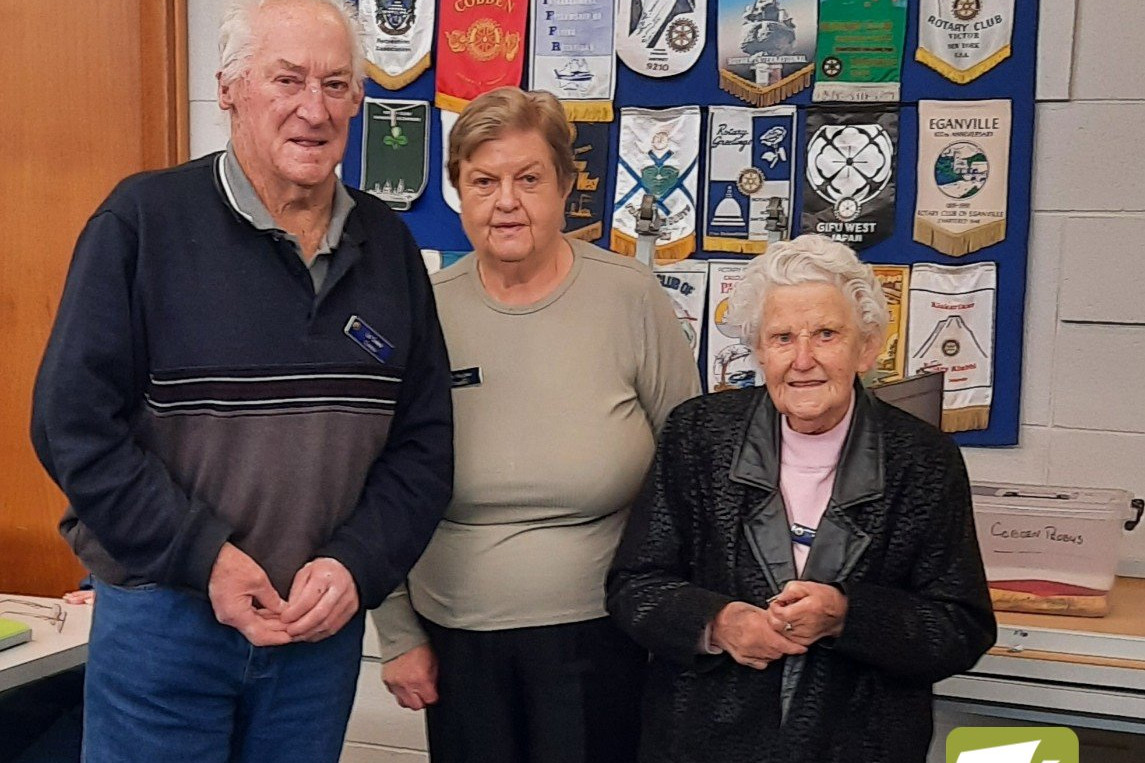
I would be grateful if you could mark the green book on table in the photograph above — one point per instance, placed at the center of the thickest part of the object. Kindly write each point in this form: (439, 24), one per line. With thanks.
(13, 632)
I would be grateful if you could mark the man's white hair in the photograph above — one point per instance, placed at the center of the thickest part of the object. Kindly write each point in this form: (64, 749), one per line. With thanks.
(236, 37)
(809, 258)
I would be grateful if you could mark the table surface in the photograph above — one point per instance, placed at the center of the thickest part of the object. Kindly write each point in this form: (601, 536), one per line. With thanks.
(50, 651)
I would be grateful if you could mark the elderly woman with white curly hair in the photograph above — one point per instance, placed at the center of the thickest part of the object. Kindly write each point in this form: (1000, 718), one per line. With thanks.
(802, 562)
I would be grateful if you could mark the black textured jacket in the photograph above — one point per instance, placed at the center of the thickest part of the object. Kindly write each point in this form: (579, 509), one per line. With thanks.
(710, 527)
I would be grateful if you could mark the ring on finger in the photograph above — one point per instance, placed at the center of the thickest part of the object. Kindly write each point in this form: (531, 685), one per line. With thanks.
(788, 627)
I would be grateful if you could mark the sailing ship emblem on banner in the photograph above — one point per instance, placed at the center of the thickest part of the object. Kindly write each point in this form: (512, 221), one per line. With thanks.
(686, 285)
(766, 48)
(573, 56)
(479, 49)
(660, 38)
(963, 174)
(849, 193)
(859, 53)
(395, 150)
(659, 149)
(895, 280)
(964, 39)
(731, 363)
(750, 160)
(584, 208)
(952, 331)
(398, 38)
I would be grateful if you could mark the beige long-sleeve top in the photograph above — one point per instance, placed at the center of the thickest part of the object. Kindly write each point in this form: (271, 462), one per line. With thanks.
(551, 447)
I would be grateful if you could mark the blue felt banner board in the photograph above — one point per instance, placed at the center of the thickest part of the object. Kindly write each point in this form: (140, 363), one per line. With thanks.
(436, 226)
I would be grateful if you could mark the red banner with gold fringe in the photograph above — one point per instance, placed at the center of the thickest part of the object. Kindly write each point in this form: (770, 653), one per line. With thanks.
(481, 46)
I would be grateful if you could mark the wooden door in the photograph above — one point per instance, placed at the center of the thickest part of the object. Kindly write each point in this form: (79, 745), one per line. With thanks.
(90, 92)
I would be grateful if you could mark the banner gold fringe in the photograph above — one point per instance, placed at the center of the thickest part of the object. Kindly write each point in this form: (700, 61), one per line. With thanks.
(397, 82)
(971, 417)
(766, 95)
(922, 55)
(588, 232)
(588, 111)
(1079, 606)
(734, 245)
(449, 102)
(622, 243)
(959, 244)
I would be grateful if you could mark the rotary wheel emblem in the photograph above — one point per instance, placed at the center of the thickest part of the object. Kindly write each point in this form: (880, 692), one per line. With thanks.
(682, 35)
(847, 209)
(967, 9)
(832, 66)
(750, 181)
(484, 39)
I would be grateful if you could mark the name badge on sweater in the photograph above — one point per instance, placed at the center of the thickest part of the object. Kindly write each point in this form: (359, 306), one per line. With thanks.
(465, 377)
(368, 339)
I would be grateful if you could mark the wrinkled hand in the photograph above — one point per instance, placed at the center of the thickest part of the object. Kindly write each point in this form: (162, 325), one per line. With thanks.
(813, 610)
(412, 677)
(322, 599)
(243, 598)
(749, 635)
(86, 596)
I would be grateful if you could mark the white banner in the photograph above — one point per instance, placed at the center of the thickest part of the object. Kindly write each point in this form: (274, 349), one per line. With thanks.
(660, 38)
(398, 37)
(964, 39)
(952, 331)
(731, 364)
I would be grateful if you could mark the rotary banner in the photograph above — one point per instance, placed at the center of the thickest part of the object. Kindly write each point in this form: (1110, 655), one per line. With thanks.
(398, 38)
(952, 331)
(584, 208)
(766, 48)
(480, 48)
(963, 174)
(895, 280)
(572, 55)
(685, 283)
(660, 38)
(964, 39)
(750, 161)
(395, 150)
(849, 193)
(859, 53)
(731, 363)
(659, 150)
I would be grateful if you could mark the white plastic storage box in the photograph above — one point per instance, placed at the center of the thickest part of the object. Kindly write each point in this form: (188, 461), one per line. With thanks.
(1051, 549)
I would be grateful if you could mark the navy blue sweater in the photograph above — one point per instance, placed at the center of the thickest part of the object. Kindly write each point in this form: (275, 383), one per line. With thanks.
(196, 390)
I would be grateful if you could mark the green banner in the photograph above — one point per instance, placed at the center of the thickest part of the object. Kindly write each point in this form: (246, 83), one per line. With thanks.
(395, 150)
(859, 50)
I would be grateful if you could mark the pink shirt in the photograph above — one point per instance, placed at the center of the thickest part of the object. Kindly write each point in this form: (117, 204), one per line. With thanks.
(807, 464)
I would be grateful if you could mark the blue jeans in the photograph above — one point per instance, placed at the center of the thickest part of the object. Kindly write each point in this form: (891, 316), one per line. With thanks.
(165, 681)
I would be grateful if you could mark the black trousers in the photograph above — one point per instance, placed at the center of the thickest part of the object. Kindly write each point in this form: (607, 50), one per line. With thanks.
(551, 694)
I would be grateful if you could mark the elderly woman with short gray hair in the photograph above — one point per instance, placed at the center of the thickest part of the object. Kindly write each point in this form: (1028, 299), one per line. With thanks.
(802, 562)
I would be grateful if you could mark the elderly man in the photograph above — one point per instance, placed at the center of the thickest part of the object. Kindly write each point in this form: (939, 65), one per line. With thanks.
(245, 398)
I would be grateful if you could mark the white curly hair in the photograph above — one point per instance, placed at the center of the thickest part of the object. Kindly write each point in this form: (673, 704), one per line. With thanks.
(809, 258)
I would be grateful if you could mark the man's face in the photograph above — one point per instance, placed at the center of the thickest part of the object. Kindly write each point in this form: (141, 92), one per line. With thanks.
(512, 205)
(811, 348)
(290, 114)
